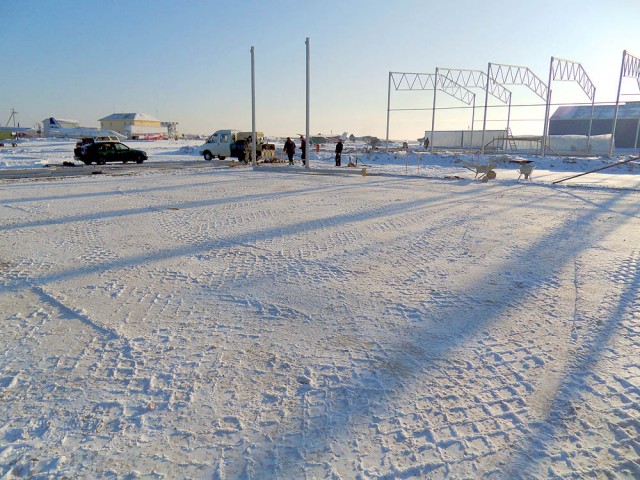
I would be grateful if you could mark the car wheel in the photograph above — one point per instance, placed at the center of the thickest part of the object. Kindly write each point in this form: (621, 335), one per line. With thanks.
(140, 160)
(101, 161)
(125, 161)
(207, 156)
(221, 157)
(87, 162)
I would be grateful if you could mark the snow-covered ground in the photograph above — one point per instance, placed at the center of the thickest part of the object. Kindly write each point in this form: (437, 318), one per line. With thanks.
(40, 153)
(229, 323)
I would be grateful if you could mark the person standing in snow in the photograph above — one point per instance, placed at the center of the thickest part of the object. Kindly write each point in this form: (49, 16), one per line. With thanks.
(303, 149)
(339, 153)
(290, 149)
(242, 150)
(426, 143)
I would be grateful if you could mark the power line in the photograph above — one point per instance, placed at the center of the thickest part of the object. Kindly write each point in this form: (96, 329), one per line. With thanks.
(524, 105)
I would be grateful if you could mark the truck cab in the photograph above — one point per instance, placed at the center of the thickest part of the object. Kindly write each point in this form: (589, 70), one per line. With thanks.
(233, 143)
(221, 144)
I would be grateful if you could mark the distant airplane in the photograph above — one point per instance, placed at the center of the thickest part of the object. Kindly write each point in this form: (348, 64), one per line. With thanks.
(15, 131)
(319, 139)
(368, 139)
(57, 131)
(149, 136)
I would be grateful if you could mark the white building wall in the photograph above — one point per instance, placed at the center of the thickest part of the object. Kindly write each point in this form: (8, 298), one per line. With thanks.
(142, 130)
(463, 138)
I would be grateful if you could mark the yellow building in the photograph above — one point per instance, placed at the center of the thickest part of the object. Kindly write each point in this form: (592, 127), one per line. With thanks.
(134, 125)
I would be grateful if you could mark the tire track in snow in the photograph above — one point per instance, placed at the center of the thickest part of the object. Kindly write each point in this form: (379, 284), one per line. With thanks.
(597, 403)
(377, 387)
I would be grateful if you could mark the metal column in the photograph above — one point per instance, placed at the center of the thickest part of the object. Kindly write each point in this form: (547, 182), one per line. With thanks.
(593, 106)
(388, 109)
(433, 112)
(254, 160)
(486, 100)
(508, 118)
(615, 115)
(473, 119)
(306, 160)
(545, 130)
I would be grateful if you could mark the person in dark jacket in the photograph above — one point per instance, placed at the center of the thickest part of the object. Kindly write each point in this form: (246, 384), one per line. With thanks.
(339, 153)
(241, 151)
(290, 149)
(303, 149)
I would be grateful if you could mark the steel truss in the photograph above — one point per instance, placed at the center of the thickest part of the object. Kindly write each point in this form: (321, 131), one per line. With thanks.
(430, 81)
(517, 75)
(412, 81)
(568, 70)
(454, 82)
(511, 75)
(477, 78)
(630, 68)
(404, 81)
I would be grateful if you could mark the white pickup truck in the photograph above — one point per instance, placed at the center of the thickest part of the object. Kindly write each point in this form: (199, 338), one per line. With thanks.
(233, 143)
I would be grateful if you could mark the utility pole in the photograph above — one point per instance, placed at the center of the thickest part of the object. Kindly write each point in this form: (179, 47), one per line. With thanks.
(13, 115)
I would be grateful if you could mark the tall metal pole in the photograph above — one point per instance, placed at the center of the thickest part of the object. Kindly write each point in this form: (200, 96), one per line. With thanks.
(486, 100)
(615, 115)
(473, 119)
(508, 118)
(593, 106)
(306, 160)
(545, 131)
(433, 112)
(254, 160)
(388, 109)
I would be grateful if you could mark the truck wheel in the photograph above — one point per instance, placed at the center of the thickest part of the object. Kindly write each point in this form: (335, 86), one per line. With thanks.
(221, 157)
(207, 156)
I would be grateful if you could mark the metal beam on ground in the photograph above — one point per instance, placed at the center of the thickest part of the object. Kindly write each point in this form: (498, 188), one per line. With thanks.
(598, 169)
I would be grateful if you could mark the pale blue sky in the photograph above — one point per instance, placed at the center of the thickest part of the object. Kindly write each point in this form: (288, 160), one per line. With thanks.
(189, 61)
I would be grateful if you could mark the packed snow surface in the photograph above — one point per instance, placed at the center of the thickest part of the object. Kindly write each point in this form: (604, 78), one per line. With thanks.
(229, 323)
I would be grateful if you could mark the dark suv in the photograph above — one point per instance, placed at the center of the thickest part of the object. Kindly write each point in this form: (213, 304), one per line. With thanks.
(103, 152)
